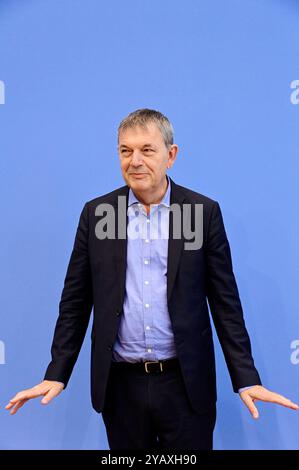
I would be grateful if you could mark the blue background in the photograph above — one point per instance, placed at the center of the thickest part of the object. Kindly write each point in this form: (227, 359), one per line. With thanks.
(221, 71)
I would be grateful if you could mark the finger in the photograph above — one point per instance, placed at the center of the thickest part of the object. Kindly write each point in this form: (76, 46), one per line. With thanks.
(11, 405)
(251, 406)
(27, 394)
(18, 406)
(23, 396)
(278, 399)
(52, 393)
(8, 406)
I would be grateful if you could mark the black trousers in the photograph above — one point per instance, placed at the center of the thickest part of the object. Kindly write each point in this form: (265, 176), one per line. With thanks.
(152, 411)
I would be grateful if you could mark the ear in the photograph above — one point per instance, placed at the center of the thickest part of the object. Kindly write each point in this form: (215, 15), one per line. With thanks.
(172, 155)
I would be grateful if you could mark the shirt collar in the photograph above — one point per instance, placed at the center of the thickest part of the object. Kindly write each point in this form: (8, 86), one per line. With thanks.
(165, 201)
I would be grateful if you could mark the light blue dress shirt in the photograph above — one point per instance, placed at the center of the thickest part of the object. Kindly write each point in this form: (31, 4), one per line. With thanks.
(145, 331)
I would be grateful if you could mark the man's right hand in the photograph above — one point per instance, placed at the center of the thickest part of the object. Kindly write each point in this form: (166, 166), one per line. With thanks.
(49, 389)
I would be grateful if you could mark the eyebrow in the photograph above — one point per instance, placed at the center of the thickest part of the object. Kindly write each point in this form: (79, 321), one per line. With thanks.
(144, 145)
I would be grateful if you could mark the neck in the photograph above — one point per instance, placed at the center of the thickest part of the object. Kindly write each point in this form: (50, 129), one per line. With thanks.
(154, 197)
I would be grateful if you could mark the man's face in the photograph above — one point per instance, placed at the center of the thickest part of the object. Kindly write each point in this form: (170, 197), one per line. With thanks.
(144, 157)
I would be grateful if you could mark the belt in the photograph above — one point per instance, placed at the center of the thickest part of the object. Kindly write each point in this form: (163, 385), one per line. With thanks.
(149, 367)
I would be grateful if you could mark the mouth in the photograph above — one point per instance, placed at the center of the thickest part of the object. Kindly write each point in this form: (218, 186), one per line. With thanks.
(138, 175)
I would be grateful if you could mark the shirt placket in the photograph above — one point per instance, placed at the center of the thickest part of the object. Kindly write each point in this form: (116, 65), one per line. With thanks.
(146, 286)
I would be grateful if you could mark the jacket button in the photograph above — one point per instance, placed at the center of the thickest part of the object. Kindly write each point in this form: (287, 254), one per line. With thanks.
(109, 347)
(118, 312)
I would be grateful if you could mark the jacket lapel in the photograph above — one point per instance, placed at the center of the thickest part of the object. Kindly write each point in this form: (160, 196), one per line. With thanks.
(120, 245)
(175, 245)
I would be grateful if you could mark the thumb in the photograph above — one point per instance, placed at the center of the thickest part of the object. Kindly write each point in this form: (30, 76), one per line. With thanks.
(49, 396)
(251, 406)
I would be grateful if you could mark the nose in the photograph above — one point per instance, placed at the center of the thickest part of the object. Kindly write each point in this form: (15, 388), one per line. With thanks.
(137, 158)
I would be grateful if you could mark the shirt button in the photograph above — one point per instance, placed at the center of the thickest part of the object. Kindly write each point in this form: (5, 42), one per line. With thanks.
(146, 240)
(148, 328)
(146, 282)
(146, 261)
(147, 305)
(148, 221)
(149, 350)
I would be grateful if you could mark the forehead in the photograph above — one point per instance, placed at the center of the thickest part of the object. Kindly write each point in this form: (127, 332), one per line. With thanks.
(139, 135)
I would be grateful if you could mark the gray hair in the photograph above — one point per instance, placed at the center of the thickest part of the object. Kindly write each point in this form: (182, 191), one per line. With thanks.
(141, 117)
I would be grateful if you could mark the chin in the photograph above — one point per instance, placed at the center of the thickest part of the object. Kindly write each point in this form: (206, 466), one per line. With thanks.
(138, 182)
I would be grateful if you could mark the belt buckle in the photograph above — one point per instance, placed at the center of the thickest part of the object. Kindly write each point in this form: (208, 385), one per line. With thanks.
(152, 362)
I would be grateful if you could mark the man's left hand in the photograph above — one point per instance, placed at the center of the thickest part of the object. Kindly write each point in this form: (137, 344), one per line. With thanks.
(258, 392)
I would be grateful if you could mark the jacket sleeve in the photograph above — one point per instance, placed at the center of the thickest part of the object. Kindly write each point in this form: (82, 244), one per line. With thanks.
(225, 306)
(74, 308)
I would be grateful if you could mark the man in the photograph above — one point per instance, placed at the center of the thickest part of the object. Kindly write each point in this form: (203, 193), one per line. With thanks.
(152, 359)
